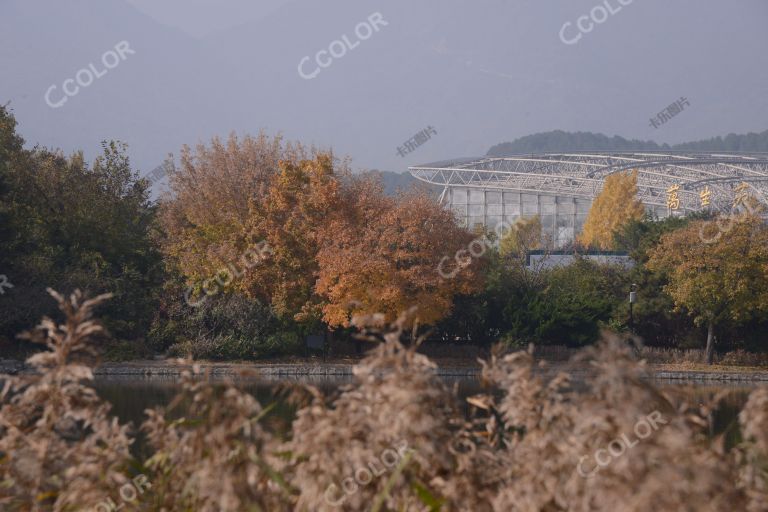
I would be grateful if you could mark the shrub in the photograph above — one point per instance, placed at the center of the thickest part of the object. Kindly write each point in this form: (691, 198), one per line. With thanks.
(226, 326)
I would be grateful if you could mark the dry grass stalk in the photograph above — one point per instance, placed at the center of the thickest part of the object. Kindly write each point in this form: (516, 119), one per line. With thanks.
(396, 439)
(59, 449)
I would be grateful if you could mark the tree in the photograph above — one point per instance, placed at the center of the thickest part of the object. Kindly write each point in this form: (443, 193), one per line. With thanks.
(723, 280)
(577, 299)
(616, 205)
(71, 225)
(207, 216)
(523, 236)
(301, 200)
(382, 256)
(11, 151)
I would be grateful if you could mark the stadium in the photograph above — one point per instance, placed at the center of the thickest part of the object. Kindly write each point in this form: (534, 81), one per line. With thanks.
(560, 188)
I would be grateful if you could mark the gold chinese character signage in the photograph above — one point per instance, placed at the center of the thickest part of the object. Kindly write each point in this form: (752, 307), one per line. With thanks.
(742, 195)
(673, 197)
(706, 197)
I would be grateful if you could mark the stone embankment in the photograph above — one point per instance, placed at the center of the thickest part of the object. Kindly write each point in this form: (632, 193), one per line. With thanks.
(170, 369)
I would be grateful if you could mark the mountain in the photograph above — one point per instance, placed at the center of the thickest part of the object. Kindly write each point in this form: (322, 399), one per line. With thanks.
(558, 140)
(751, 142)
(561, 141)
(394, 182)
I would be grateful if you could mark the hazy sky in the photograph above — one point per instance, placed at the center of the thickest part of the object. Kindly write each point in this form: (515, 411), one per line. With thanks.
(201, 17)
(473, 72)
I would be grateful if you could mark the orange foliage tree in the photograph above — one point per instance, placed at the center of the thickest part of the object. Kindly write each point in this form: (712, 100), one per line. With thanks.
(206, 215)
(382, 256)
(338, 246)
(302, 198)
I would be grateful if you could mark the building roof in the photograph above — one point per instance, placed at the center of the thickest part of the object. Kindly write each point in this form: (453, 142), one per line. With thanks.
(581, 174)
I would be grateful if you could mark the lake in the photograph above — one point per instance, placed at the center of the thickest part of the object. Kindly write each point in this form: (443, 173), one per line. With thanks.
(130, 396)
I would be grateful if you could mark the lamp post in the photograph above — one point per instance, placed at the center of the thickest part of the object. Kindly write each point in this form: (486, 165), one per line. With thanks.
(632, 300)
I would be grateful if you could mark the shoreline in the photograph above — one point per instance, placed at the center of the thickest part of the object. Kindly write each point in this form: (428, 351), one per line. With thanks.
(272, 371)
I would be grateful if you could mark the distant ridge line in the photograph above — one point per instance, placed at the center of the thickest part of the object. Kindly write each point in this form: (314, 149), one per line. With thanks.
(559, 141)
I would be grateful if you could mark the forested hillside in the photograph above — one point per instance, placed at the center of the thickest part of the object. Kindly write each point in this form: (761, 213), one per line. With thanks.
(559, 140)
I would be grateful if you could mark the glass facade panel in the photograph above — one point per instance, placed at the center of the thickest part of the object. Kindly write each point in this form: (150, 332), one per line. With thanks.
(562, 218)
(530, 209)
(583, 205)
(476, 196)
(477, 210)
(493, 209)
(565, 205)
(459, 196)
(492, 221)
(564, 236)
(493, 197)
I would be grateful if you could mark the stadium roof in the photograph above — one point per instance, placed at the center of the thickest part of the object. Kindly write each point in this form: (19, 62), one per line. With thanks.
(581, 174)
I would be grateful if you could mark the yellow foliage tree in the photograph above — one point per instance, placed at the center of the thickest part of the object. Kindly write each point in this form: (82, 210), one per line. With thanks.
(523, 236)
(616, 205)
(206, 216)
(716, 273)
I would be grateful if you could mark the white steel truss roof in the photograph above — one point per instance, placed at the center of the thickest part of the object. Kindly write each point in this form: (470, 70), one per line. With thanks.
(582, 175)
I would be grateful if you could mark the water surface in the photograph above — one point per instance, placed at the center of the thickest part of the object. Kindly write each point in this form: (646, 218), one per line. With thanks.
(131, 396)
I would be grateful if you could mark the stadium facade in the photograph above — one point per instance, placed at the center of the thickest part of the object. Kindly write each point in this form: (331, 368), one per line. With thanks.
(560, 188)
